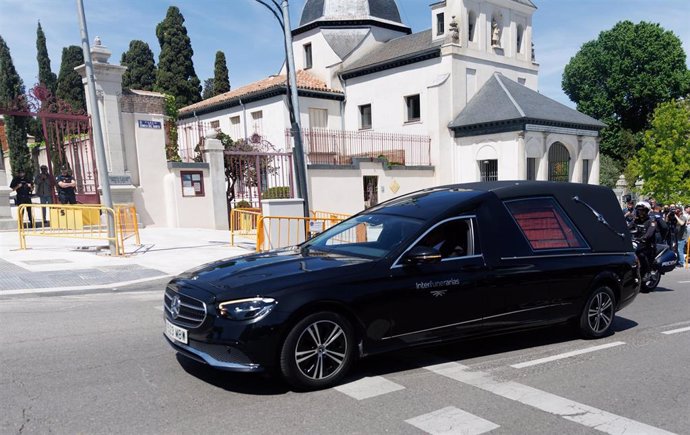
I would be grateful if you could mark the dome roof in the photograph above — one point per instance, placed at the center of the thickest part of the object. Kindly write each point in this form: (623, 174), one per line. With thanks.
(346, 10)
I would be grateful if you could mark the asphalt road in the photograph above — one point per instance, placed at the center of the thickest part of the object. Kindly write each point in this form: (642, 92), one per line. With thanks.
(97, 363)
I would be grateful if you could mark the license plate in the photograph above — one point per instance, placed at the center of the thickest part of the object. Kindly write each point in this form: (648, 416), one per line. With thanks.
(175, 332)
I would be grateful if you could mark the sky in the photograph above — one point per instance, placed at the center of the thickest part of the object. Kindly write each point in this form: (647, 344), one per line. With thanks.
(250, 36)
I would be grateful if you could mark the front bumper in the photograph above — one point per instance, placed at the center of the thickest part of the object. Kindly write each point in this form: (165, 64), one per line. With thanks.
(219, 356)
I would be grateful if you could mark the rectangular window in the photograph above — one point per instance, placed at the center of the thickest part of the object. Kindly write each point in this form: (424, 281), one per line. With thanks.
(365, 117)
(318, 118)
(544, 224)
(235, 128)
(440, 23)
(470, 84)
(531, 168)
(585, 170)
(307, 56)
(488, 170)
(215, 124)
(413, 106)
(257, 122)
(192, 183)
(454, 238)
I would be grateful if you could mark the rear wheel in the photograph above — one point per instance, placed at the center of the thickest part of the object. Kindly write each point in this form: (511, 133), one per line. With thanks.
(598, 313)
(317, 351)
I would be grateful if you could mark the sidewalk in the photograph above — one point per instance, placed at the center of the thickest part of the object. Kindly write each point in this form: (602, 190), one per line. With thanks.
(55, 264)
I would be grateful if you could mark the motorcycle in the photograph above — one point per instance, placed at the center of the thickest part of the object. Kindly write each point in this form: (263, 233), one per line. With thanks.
(664, 261)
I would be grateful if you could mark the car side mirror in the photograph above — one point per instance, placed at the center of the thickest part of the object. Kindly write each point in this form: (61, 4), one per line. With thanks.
(422, 255)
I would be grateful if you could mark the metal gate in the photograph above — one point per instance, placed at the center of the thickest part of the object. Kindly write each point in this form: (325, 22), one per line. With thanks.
(67, 138)
(252, 176)
(559, 163)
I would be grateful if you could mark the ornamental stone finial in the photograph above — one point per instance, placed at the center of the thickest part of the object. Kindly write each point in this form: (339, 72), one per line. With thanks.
(97, 41)
(454, 32)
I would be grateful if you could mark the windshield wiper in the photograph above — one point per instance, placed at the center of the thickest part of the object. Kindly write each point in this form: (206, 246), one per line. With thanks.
(599, 216)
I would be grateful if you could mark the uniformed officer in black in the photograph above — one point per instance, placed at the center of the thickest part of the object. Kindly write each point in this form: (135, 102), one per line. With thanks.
(643, 229)
(66, 184)
(23, 186)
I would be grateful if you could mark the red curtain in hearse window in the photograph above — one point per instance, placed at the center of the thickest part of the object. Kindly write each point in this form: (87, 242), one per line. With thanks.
(544, 224)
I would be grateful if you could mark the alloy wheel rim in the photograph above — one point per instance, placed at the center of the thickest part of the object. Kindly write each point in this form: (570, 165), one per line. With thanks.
(600, 312)
(321, 350)
(654, 278)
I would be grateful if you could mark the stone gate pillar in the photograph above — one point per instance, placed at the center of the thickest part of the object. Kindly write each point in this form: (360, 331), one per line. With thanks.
(108, 81)
(213, 155)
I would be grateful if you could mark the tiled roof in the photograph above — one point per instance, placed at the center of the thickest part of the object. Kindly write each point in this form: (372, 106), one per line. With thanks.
(305, 81)
(501, 99)
(395, 49)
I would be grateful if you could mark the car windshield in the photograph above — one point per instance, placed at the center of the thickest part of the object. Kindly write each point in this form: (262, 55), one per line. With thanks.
(369, 236)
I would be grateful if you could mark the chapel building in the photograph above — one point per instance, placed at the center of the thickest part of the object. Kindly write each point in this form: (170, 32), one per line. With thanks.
(385, 111)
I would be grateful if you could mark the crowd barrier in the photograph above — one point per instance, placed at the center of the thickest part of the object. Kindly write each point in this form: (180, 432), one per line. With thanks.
(243, 223)
(275, 232)
(82, 221)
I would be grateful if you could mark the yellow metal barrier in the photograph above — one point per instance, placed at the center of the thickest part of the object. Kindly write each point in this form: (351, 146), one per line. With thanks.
(279, 231)
(243, 222)
(126, 223)
(81, 221)
(329, 215)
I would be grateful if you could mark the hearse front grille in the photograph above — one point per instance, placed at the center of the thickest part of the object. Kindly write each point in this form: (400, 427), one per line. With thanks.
(192, 311)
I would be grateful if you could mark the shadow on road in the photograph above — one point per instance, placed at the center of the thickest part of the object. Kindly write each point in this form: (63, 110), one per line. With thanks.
(399, 361)
(260, 384)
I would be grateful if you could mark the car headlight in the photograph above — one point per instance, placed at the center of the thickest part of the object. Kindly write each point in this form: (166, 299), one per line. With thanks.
(246, 309)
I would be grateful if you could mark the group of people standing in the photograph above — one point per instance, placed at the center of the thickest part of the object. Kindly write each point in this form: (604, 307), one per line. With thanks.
(657, 223)
(43, 186)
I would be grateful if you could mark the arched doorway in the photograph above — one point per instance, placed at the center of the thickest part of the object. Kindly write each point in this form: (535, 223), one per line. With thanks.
(559, 163)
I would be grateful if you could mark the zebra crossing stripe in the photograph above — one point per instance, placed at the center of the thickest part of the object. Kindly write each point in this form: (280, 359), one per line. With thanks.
(369, 387)
(570, 410)
(566, 355)
(451, 421)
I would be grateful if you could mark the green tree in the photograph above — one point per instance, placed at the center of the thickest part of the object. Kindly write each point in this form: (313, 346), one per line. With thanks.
(11, 93)
(69, 86)
(623, 75)
(208, 89)
(663, 162)
(46, 76)
(175, 75)
(221, 81)
(141, 68)
(609, 171)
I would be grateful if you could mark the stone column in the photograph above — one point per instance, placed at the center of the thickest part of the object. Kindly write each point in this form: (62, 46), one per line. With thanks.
(108, 81)
(213, 155)
(6, 220)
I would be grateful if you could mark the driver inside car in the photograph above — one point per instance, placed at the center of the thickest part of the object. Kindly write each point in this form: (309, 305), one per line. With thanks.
(450, 239)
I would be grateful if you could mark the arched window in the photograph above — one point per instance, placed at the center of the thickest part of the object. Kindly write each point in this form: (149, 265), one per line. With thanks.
(471, 26)
(520, 34)
(559, 163)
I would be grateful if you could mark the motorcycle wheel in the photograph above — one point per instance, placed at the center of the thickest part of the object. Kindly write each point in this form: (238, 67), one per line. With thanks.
(651, 282)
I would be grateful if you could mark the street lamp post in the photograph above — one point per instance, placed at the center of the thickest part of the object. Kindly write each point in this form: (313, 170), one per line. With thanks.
(282, 14)
(101, 161)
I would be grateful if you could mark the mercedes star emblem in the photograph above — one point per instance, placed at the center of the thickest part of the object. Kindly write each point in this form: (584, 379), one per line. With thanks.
(175, 307)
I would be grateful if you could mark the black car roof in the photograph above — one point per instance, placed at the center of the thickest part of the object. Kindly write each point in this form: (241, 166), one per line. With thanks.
(591, 199)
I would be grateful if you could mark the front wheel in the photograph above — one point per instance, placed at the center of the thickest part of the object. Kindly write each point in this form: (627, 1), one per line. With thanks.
(650, 281)
(317, 351)
(598, 313)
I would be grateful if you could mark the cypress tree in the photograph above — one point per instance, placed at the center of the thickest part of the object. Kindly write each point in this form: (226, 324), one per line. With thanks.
(11, 89)
(221, 82)
(141, 69)
(69, 86)
(46, 77)
(208, 89)
(176, 75)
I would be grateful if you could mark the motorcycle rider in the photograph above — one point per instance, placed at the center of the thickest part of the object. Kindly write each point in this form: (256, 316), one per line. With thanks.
(643, 229)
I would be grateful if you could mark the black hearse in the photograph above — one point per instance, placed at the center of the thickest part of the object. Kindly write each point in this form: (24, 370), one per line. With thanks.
(435, 265)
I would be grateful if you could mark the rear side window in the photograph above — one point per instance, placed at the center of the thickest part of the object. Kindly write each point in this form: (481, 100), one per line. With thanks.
(545, 224)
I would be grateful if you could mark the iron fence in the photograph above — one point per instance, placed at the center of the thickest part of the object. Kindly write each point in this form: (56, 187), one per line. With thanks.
(342, 147)
(190, 139)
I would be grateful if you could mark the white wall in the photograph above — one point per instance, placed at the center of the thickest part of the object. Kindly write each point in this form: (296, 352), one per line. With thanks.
(185, 211)
(342, 190)
(147, 163)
